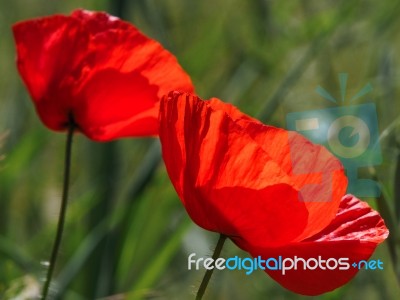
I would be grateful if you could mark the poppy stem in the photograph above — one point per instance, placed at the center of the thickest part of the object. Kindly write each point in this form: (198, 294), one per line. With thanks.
(63, 210)
(208, 274)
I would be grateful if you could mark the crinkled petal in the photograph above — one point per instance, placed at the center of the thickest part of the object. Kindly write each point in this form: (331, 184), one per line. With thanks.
(351, 237)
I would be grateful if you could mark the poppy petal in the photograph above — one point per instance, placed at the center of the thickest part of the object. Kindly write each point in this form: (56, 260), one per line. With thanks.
(134, 73)
(317, 173)
(350, 238)
(313, 170)
(99, 113)
(48, 51)
(226, 181)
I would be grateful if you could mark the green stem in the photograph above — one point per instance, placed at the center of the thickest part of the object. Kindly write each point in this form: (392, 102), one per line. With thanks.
(63, 210)
(208, 274)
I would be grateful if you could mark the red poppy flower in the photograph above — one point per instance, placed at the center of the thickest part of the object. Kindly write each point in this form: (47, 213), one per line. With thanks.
(244, 179)
(262, 186)
(98, 69)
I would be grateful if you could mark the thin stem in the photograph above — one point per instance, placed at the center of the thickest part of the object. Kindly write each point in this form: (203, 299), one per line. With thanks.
(63, 210)
(208, 274)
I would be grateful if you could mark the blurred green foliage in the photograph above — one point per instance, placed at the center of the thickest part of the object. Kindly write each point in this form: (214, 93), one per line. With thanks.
(127, 235)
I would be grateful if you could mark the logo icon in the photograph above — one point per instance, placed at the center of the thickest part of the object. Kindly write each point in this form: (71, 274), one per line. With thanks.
(349, 131)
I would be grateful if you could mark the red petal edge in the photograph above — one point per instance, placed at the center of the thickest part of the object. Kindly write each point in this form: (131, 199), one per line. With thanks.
(354, 234)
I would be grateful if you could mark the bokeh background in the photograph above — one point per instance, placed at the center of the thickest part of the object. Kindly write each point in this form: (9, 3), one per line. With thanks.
(127, 235)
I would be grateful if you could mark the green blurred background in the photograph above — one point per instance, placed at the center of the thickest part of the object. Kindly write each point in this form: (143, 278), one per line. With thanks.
(127, 235)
